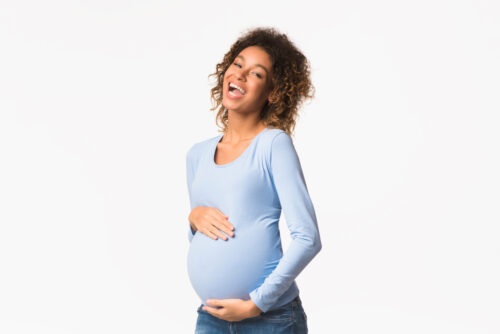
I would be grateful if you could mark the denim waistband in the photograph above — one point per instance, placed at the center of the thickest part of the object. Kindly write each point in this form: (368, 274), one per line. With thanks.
(294, 303)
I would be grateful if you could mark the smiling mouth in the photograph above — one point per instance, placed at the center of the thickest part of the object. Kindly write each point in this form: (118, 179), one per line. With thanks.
(235, 91)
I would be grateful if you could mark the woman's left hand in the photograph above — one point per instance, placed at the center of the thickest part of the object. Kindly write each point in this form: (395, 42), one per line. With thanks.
(232, 309)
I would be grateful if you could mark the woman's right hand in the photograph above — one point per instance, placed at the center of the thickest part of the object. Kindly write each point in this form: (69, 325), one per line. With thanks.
(210, 221)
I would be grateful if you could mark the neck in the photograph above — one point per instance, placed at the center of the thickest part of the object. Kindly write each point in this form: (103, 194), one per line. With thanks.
(242, 128)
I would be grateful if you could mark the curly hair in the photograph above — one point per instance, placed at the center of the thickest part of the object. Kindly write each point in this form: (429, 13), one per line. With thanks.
(290, 79)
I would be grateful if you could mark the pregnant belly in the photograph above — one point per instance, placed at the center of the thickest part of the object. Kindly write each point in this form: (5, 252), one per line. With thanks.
(232, 269)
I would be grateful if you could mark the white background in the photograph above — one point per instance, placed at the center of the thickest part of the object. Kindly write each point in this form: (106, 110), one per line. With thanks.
(100, 101)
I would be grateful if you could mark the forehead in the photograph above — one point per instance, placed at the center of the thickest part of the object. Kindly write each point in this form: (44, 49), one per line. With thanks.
(256, 55)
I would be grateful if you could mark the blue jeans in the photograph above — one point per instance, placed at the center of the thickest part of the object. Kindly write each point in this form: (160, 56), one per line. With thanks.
(289, 318)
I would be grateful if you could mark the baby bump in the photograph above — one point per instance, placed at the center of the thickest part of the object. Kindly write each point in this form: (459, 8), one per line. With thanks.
(231, 269)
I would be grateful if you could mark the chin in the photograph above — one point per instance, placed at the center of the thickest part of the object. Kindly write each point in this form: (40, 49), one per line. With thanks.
(227, 104)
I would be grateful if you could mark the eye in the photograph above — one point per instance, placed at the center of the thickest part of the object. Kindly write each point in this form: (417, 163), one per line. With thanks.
(237, 64)
(257, 74)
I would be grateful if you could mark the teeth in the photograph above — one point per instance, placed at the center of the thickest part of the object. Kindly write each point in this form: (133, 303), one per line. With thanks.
(238, 88)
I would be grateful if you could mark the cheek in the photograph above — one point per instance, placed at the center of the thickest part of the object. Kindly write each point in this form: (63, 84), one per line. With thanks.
(259, 89)
(228, 72)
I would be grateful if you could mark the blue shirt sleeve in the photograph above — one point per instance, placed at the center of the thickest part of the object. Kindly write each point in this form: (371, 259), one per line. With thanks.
(300, 218)
(190, 171)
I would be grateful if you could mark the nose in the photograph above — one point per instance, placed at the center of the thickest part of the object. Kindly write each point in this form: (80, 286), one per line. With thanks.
(240, 74)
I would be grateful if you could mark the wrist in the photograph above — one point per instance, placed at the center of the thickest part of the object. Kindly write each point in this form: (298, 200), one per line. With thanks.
(190, 219)
(253, 309)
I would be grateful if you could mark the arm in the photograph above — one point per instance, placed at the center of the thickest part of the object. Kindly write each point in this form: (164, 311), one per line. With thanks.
(300, 218)
(190, 169)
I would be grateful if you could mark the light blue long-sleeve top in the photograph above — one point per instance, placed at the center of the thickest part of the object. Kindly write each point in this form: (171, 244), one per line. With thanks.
(252, 190)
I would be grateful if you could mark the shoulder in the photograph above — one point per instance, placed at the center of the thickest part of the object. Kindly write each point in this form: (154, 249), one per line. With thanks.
(277, 143)
(279, 140)
(276, 134)
(198, 148)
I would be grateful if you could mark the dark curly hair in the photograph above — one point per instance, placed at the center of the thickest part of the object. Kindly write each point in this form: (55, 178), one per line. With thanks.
(290, 78)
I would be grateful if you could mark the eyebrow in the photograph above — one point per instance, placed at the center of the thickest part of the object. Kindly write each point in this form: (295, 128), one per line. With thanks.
(265, 69)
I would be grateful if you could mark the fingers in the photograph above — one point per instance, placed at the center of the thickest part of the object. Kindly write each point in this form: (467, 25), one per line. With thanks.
(224, 228)
(215, 307)
(215, 302)
(230, 309)
(223, 219)
(216, 233)
(213, 311)
(226, 223)
(223, 224)
(211, 231)
(212, 222)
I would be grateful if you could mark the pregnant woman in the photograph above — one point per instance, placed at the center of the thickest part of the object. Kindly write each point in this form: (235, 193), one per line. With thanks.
(240, 181)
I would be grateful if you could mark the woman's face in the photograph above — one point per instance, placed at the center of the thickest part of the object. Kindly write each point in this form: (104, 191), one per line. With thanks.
(251, 72)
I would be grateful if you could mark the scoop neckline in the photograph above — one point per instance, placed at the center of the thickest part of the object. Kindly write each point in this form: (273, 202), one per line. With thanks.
(214, 149)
